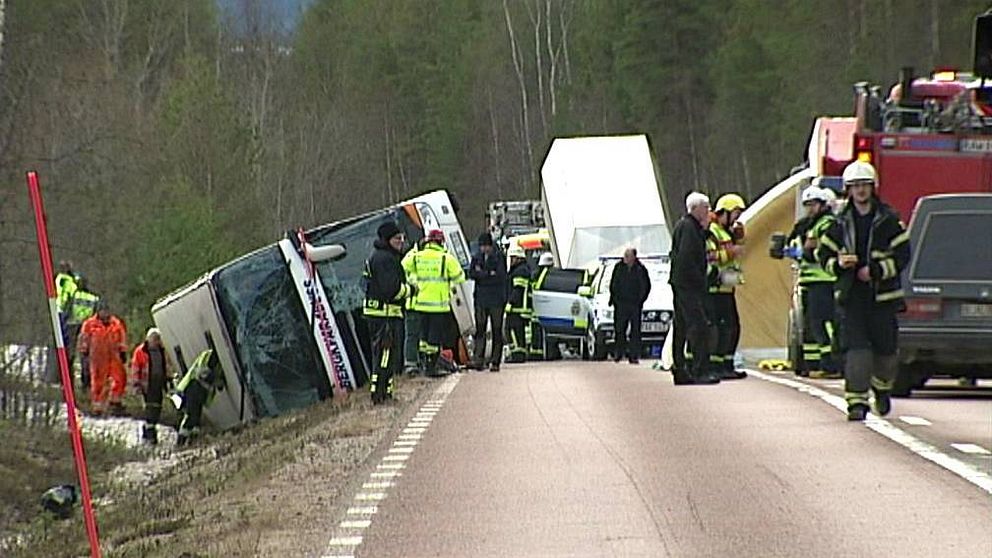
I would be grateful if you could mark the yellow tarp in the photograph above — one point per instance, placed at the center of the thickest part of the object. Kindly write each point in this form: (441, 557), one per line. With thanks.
(763, 301)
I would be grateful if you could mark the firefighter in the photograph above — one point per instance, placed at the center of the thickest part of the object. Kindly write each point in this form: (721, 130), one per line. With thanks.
(518, 304)
(411, 320)
(866, 248)
(82, 308)
(688, 280)
(66, 283)
(537, 333)
(103, 342)
(816, 287)
(435, 271)
(724, 249)
(151, 376)
(197, 389)
(385, 292)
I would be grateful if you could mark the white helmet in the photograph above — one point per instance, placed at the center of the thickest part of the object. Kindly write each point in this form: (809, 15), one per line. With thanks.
(547, 260)
(859, 171)
(812, 194)
(516, 252)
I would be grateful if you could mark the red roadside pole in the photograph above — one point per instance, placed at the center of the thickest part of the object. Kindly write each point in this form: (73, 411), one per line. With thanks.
(70, 401)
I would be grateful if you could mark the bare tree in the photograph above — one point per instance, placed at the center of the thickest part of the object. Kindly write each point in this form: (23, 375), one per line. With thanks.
(517, 67)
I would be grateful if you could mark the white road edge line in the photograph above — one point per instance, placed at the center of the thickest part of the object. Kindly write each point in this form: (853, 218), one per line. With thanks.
(915, 421)
(388, 467)
(925, 450)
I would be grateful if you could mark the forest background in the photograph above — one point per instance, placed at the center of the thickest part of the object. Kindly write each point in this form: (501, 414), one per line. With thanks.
(171, 136)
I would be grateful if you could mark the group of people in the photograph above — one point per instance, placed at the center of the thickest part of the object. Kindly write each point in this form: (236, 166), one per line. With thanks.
(850, 263)
(408, 307)
(707, 247)
(99, 338)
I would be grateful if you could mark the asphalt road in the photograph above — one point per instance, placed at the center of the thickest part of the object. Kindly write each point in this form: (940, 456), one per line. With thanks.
(583, 459)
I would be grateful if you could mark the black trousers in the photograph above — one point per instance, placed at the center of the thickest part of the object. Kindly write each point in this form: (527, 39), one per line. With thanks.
(387, 354)
(516, 327)
(728, 330)
(869, 326)
(692, 326)
(627, 316)
(484, 315)
(818, 303)
(153, 398)
(195, 397)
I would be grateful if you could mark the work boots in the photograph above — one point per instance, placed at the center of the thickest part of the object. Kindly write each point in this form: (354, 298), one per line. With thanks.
(883, 402)
(149, 434)
(857, 412)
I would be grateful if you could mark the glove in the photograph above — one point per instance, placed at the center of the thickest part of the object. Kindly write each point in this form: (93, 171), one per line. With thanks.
(794, 252)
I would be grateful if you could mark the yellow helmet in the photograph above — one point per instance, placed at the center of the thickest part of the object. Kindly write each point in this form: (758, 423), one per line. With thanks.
(730, 202)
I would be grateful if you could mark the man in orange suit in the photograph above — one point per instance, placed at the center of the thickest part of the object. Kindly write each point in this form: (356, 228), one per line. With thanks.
(103, 339)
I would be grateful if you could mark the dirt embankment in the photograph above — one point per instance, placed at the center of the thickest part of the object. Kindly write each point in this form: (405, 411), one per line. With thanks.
(275, 488)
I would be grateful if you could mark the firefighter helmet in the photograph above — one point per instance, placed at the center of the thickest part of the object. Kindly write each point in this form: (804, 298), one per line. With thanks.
(859, 171)
(547, 259)
(814, 193)
(516, 252)
(730, 202)
(436, 235)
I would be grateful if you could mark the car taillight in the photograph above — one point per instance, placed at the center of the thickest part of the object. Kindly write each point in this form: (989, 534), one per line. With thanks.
(923, 308)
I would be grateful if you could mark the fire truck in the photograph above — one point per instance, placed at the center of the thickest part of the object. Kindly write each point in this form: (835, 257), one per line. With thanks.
(926, 135)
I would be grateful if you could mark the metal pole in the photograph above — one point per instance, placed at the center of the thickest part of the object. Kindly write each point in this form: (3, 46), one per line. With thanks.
(48, 278)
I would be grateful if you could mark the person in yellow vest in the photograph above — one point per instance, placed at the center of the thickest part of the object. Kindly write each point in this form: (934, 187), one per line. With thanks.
(816, 286)
(435, 270)
(537, 338)
(385, 292)
(724, 249)
(411, 322)
(518, 310)
(66, 283)
(83, 306)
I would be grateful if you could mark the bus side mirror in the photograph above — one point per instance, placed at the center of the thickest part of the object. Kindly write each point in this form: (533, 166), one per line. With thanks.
(332, 252)
(585, 290)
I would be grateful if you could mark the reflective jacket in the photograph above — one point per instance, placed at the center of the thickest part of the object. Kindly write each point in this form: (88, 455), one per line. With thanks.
(386, 286)
(103, 342)
(83, 306)
(518, 299)
(720, 258)
(65, 287)
(888, 253)
(810, 270)
(435, 271)
(211, 380)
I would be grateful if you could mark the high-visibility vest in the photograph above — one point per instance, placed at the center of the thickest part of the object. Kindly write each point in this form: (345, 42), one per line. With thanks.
(65, 287)
(83, 306)
(719, 255)
(435, 271)
(813, 272)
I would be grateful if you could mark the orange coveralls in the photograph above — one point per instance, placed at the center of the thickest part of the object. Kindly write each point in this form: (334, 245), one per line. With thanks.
(104, 343)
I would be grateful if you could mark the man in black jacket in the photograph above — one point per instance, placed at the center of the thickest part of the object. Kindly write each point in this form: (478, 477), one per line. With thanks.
(629, 288)
(385, 292)
(866, 247)
(689, 286)
(488, 269)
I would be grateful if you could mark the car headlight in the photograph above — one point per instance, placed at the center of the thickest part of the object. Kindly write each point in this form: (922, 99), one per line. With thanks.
(666, 317)
(650, 316)
(608, 314)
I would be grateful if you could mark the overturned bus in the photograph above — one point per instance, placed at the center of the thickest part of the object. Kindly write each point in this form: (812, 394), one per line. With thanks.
(285, 319)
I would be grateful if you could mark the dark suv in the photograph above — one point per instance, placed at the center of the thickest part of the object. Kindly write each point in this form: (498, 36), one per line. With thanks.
(947, 327)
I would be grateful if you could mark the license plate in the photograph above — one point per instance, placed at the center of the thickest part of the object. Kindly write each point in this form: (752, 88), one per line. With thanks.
(654, 327)
(976, 310)
(976, 145)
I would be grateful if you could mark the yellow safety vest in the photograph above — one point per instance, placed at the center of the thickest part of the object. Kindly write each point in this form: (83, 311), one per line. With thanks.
(434, 270)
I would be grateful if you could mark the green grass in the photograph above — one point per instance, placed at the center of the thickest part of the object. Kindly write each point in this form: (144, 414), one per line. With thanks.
(221, 497)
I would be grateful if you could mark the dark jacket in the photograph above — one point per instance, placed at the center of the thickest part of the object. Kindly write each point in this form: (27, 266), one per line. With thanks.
(385, 275)
(688, 255)
(489, 274)
(629, 285)
(888, 253)
(518, 289)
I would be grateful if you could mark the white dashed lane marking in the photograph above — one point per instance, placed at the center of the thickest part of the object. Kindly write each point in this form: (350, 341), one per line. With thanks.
(348, 535)
(973, 449)
(915, 421)
(968, 472)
